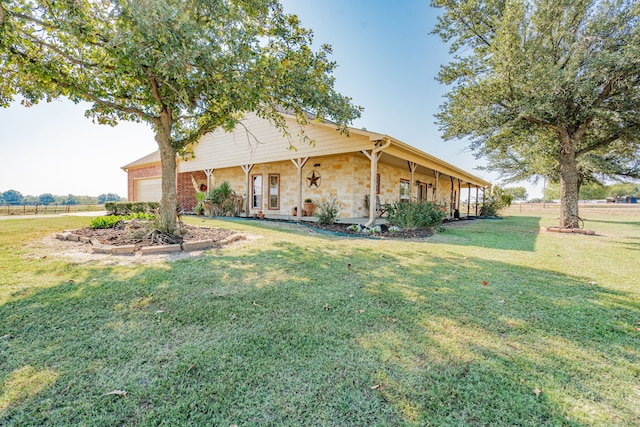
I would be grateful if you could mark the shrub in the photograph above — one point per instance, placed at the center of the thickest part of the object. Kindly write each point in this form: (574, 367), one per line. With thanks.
(125, 208)
(328, 210)
(108, 221)
(223, 201)
(414, 215)
(495, 199)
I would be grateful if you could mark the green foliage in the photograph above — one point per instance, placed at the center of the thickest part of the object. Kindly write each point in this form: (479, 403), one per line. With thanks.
(328, 210)
(125, 208)
(109, 197)
(545, 88)
(108, 221)
(222, 192)
(223, 201)
(623, 189)
(517, 193)
(414, 215)
(46, 199)
(12, 197)
(495, 199)
(184, 67)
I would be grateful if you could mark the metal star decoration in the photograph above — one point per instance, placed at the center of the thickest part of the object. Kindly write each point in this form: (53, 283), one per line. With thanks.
(313, 180)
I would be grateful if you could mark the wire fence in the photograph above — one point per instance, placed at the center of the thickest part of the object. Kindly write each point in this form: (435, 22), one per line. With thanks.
(51, 209)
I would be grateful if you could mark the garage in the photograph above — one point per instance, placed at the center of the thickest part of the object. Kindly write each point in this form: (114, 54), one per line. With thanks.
(147, 189)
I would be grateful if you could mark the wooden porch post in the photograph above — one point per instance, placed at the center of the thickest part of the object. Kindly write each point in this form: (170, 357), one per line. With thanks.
(208, 173)
(451, 199)
(299, 163)
(476, 200)
(469, 200)
(412, 172)
(247, 203)
(374, 156)
(436, 174)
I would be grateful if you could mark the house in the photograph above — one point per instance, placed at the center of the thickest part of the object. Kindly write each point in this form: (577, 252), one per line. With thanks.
(275, 173)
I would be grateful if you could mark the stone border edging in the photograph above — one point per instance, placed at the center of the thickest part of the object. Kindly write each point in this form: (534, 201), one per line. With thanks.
(196, 245)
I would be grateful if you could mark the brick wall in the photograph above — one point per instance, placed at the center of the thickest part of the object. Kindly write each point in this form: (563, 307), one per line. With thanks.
(186, 192)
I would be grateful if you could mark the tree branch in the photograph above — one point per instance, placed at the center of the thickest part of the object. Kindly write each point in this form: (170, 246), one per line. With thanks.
(603, 142)
(539, 122)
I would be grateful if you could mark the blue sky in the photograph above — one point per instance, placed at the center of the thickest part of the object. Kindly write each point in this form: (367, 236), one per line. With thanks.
(387, 62)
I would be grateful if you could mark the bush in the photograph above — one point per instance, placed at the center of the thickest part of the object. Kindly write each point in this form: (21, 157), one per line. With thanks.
(414, 215)
(328, 210)
(105, 221)
(125, 208)
(110, 221)
(495, 199)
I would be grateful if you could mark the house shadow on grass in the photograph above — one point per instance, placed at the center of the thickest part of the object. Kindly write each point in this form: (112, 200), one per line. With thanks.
(332, 335)
(508, 233)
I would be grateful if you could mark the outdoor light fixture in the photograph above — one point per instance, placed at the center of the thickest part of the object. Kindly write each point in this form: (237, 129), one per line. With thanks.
(317, 165)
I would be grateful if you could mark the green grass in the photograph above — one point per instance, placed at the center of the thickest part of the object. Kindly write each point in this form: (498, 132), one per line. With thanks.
(304, 329)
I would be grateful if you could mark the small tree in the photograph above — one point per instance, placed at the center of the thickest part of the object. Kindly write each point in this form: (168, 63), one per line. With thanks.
(517, 193)
(46, 199)
(495, 199)
(12, 197)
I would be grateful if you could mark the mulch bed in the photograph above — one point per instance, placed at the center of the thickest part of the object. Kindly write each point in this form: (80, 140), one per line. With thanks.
(384, 234)
(140, 234)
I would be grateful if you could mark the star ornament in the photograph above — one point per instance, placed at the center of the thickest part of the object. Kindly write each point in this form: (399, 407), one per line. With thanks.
(313, 180)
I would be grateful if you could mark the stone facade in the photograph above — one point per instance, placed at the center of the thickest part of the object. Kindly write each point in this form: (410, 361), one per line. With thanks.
(345, 177)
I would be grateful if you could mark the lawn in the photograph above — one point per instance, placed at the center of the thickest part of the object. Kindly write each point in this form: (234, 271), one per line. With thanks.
(493, 322)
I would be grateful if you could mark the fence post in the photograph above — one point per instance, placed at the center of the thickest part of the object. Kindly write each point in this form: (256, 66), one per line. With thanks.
(36, 209)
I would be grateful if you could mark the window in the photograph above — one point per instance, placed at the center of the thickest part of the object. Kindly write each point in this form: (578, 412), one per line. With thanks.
(274, 191)
(404, 190)
(256, 191)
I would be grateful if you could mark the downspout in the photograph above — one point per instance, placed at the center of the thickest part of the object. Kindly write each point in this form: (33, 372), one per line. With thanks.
(376, 152)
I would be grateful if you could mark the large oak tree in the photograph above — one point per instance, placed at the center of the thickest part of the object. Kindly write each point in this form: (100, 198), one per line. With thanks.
(186, 67)
(545, 87)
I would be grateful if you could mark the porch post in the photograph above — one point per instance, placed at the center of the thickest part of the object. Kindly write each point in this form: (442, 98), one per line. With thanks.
(247, 203)
(476, 200)
(436, 174)
(451, 200)
(374, 156)
(469, 200)
(412, 172)
(208, 172)
(299, 163)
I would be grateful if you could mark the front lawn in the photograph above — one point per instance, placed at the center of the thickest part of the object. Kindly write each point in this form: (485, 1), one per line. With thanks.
(492, 322)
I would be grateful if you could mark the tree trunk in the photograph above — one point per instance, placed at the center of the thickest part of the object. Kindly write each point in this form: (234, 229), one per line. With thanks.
(568, 184)
(169, 201)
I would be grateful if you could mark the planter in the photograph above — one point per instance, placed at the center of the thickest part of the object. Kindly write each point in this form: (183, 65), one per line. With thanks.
(294, 211)
(308, 209)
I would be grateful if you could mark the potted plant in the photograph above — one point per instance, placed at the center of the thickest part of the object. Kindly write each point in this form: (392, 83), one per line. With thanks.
(308, 207)
(199, 208)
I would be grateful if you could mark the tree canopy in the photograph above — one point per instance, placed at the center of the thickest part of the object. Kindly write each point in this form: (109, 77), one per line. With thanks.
(186, 67)
(545, 87)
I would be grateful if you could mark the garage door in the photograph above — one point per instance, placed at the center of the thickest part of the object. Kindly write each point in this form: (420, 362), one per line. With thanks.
(147, 190)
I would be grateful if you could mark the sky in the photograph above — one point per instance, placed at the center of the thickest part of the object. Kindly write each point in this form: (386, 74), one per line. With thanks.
(387, 62)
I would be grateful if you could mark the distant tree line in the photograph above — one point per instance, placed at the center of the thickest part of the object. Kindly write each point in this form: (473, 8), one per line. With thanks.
(595, 191)
(14, 197)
